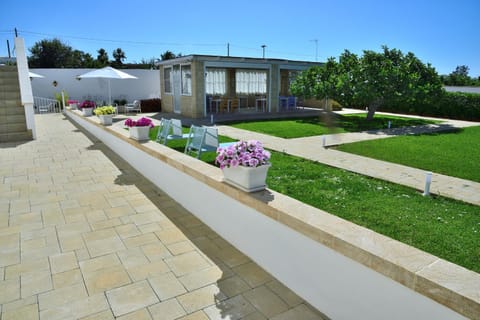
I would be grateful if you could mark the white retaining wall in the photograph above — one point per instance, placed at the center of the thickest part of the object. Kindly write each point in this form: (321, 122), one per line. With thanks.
(334, 284)
(147, 86)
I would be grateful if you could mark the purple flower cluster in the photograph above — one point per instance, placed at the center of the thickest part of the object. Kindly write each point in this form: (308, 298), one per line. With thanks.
(142, 122)
(242, 153)
(87, 104)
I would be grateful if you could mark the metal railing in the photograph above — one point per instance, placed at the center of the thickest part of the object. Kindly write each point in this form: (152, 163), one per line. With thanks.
(46, 105)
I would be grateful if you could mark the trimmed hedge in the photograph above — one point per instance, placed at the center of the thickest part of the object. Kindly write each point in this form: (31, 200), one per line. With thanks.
(451, 105)
(151, 105)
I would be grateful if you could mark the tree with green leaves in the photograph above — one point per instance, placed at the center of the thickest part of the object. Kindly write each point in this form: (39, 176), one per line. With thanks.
(102, 58)
(51, 54)
(376, 79)
(119, 56)
(167, 55)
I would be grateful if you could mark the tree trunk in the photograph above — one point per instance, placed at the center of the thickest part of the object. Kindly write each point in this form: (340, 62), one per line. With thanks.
(372, 108)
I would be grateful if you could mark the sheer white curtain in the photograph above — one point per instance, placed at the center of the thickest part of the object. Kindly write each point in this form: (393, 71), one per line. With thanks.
(186, 80)
(216, 81)
(251, 81)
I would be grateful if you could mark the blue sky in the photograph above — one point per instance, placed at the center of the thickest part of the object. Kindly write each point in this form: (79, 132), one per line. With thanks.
(444, 33)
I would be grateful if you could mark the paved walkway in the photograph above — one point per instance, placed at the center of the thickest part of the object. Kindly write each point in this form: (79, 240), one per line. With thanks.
(312, 148)
(84, 236)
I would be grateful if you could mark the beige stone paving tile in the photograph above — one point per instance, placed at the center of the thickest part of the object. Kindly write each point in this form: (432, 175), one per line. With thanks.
(102, 242)
(127, 230)
(118, 212)
(141, 314)
(234, 308)
(300, 312)
(187, 263)
(149, 227)
(167, 310)
(130, 298)
(70, 206)
(35, 282)
(19, 206)
(171, 235)
(149, 270)
(16, 304)
(14, 271)
(2, 273)
(27, 312)
(70, 243)
(166, 286)
(201, 278)
(10, 248)
(232, 286)
(26, 218)
(106, 279)
(82, 254)
(256, 316)
(63, 262)
(199, 315)
(72, 229)
(95, 215)
(75, 217)
(53, 218)
(140, 240)
(201, 298)
(33, 243)
(61, 297)
(287, 295)
(147, 217)
(252, 274)
(9, 290)
(67, 278)
(117, 201)
(104, 315)
(231, 256)
(4, 217)
(155, 251)
(106, 224)
(267, 302)
(132, 257)
(37, 253)
(180, 247)
(95, 264)
(90, 305)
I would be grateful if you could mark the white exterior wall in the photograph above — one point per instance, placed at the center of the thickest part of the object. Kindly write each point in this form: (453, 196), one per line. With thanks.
(147, 86)
(337, 286)
(26, 96)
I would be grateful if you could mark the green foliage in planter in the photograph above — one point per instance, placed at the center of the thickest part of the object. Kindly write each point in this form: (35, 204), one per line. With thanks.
(58, 97)
(104, 110)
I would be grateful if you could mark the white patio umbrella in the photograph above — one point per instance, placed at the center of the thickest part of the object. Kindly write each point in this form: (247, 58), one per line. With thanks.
(34, 75)
(107, 73)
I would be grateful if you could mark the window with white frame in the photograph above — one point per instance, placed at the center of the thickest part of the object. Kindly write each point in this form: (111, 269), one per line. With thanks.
(251, 81)
(216, 81)
(167, 79)
(186, 72)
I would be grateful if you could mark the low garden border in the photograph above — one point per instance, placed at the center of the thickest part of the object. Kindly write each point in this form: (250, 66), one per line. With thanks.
(342, 269)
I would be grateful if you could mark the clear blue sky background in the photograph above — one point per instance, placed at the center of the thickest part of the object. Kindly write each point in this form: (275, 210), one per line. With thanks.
(441, 32)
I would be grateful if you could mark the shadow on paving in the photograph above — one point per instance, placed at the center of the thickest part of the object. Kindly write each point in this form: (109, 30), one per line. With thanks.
(243, 285)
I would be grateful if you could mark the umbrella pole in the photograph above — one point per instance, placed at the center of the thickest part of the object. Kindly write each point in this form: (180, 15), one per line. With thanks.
(109, 93)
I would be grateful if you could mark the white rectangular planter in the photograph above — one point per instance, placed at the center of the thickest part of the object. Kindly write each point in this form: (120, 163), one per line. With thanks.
(139, 133)
(106, 119)
(249, 179)
(87, 112)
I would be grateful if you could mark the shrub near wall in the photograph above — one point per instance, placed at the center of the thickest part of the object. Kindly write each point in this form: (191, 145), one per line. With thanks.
(151, 105)
(452, 105)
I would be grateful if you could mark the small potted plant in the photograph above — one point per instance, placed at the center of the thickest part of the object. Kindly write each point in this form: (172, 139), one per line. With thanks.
(139, 129)
(245, 165)
(105, 114)
(87, 107)
(73, 104)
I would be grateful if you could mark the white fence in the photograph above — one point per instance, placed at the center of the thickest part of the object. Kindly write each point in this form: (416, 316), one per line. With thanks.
(147, 86)
(46, 105)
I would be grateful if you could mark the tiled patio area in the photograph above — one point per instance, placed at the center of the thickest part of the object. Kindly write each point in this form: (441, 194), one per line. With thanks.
(84, 236)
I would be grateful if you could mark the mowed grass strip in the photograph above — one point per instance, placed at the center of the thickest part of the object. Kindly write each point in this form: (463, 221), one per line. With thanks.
(327, 124)
(454, 154)
(443, 227)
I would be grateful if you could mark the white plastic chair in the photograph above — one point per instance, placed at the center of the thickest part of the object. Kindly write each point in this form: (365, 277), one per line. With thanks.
(195, 141)
(135, 106)
(163, 131)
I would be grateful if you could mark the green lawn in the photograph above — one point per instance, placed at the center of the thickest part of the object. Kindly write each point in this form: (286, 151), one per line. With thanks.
(443, 227)
(455, 154)
(331, 123)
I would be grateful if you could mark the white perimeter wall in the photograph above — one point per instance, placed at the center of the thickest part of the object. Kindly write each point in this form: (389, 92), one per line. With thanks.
(147, 86)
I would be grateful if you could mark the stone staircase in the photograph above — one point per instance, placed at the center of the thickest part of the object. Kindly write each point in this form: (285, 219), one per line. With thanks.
(13, 125)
